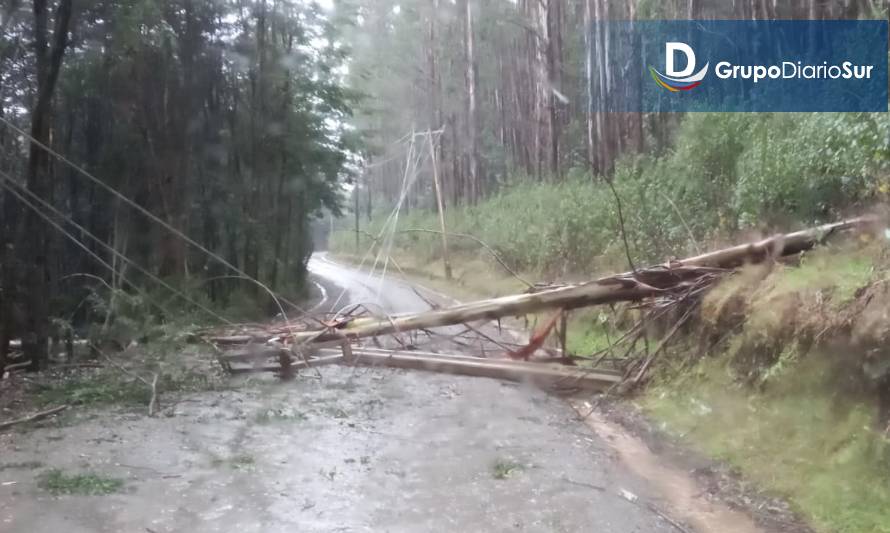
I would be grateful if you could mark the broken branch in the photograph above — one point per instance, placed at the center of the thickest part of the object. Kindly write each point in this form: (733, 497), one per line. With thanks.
(32, 418)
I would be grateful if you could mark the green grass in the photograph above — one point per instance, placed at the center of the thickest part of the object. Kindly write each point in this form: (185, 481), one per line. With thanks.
(97, 389)
(504, 468)
(110, 386)
(589, 332)
(57, 482)
(794, 439)
(835, 271)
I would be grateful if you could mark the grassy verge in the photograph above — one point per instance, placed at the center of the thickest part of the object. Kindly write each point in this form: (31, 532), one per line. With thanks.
(797, 438)
(116, 379)
(790, 396)
(110, 386)
(793, 396)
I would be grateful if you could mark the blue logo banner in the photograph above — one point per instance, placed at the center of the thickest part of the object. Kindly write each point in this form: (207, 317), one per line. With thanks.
(737, 65)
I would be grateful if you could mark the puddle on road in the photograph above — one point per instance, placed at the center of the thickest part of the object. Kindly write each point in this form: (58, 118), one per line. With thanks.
(678, 491)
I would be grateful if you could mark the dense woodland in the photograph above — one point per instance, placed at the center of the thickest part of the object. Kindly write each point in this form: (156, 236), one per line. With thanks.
(512, 90)
(513, 85)
(224, 120)
(162, 153)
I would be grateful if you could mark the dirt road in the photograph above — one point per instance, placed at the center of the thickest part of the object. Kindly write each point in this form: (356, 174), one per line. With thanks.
(358, 450)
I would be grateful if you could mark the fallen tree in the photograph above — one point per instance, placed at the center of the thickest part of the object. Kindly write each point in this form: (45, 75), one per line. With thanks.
(674, 279)
(552, 377)
(660, 289)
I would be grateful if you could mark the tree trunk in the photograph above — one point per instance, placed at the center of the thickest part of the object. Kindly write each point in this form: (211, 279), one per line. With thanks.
(656, 281)
(471, 124)
(588, 71)
(33, 232)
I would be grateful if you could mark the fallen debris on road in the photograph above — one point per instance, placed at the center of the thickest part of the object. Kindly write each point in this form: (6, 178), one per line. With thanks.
(299, 344)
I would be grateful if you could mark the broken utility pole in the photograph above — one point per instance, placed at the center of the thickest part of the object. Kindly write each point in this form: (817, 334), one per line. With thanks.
(670, 279)
(299, 346)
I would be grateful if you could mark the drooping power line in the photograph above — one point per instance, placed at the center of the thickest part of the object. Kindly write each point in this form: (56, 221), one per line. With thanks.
(151, 216)
(8, 179)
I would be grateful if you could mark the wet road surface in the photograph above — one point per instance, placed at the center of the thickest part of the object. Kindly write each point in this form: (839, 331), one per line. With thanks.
(364, 450)
(392, 295)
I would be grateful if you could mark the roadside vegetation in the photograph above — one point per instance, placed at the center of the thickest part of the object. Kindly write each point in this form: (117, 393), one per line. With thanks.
(784, 375)
(164, 164)
(725, 175)
(794, 390)
(183, 212)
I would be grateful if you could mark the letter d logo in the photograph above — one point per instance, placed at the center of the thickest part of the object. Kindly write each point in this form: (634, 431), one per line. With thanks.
(670, 50)
(678, 80)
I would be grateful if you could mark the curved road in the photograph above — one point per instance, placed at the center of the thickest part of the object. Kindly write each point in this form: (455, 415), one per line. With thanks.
(360, 450)
(567, 481)
(391, 295)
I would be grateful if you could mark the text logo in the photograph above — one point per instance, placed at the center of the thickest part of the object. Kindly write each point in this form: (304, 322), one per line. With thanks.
(678, 80)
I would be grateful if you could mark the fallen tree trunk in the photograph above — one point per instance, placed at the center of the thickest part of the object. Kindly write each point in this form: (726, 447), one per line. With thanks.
(546, 376)
(671, 278)
(597, 292)
(778, 245)
(359, 351)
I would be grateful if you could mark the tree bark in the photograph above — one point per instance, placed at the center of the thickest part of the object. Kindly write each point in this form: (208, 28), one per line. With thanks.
(34, 234)
(588, 71)
(673, 277)
(473, 191)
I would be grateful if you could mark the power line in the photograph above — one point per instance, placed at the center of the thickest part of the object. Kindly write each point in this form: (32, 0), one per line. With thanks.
(111, 249)
(81, 245)
(412, 161)
(144, 211)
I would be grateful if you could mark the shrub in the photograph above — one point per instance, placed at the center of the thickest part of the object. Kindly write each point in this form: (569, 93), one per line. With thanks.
(725, 172)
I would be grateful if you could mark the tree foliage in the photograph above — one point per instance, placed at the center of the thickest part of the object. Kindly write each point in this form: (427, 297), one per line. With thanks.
(545, 154)
(725, 173)
(225, 119)
(515, 86)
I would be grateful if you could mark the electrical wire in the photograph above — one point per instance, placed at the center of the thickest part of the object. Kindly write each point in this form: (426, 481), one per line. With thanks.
(76, 241)
(139, 208)
(115, 252)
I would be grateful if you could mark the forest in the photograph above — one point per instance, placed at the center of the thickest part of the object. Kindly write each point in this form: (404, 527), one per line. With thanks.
(509, 92)
(173, 158)
(160, 155)
(781, 371)
(213, 212)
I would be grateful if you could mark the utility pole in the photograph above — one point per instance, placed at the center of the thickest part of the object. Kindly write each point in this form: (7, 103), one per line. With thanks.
(429, 137)
(355, 194)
